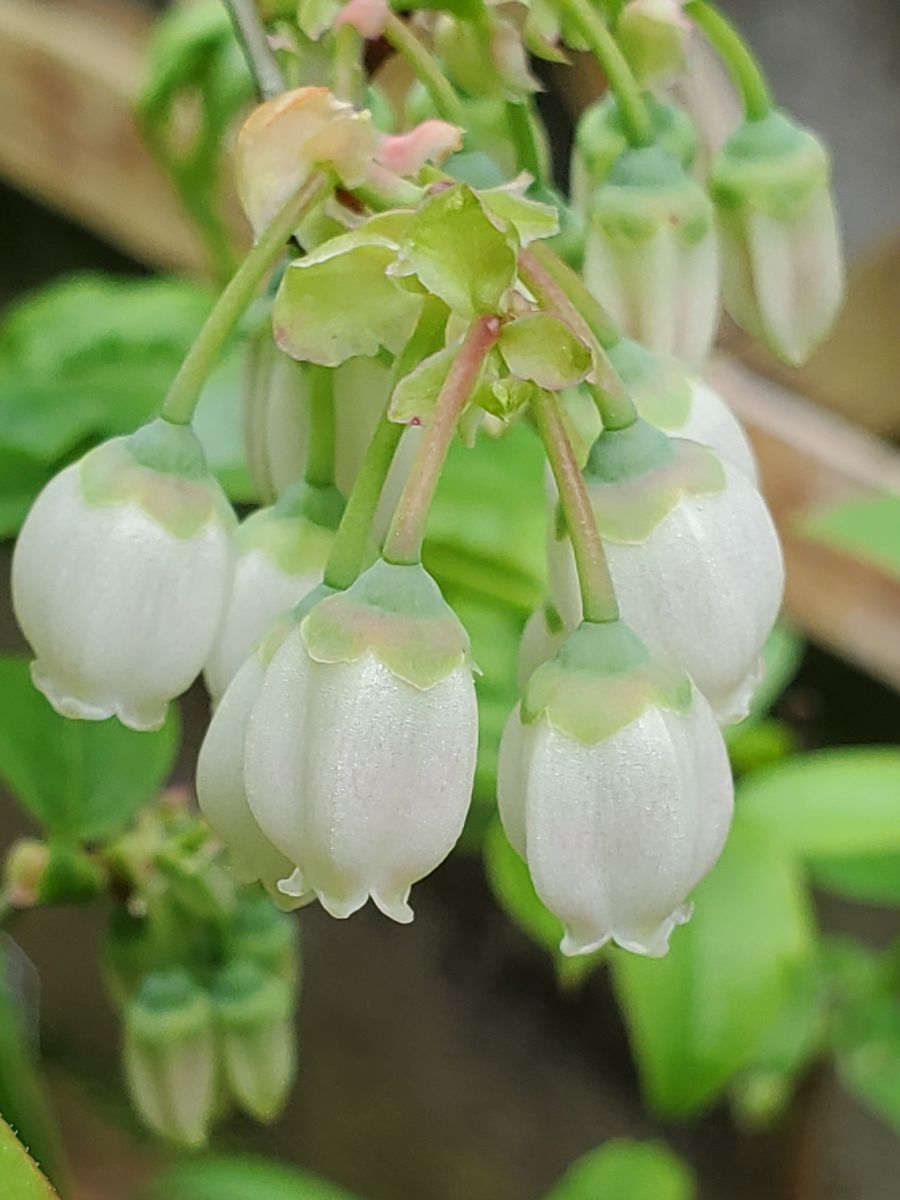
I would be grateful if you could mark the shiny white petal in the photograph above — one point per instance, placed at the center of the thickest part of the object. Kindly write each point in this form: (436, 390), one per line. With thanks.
(362, 780)
(120, 612)
(712, 423)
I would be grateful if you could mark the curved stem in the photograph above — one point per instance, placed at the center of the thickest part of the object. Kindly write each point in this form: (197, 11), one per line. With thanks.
(605, 48)
(617, 409)
(403, 544)
(598, 598)
(425, 68)
(184, 393)
(319, 470)
(519, 117)
(736, 54)
(255, 46)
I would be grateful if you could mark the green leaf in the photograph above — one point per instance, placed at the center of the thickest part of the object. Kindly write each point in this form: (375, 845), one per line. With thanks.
(21, 478)
(80, 779)
(415, 395)
(20, 1175)
(182, 43)
(531, 219)
(241, 1177)
(696, 1016)
(869, 529)
(542, 349)
(458, 254)
(840, 803)
(625, 1170)
(869, 879)
(329, 309)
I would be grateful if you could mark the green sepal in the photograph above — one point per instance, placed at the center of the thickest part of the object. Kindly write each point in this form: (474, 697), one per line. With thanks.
(397, 613)
(246, 998)
(636, 476)
(262, 934)
(297, 544)
(600, 136)
(163, 481)
(659, 384)
(543, 350)
(168, 1007)
(771, 165)
(647, 190)
(602, 679)
(457, 253)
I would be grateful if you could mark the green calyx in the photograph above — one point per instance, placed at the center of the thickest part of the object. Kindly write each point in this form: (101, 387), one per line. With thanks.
(636, 476)
(168, 1007)
(264, 935)
(771, 165)
(297, 532)
(659, 384)
(601, 138)
(601, 680)
(648, 190)
(247, 998)
(397, 613)
(162, 469)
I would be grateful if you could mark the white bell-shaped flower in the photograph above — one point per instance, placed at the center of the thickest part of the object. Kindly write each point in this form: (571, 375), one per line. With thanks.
(615, 788)
(221, 792)
(280, 557)
(783, 267)
(361, 749)
(651, 254)
(121, 574)
(694, 558)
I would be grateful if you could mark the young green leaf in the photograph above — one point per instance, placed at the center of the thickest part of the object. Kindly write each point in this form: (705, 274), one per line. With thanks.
(543, 349)
(626, 1170)
(21, 1177)
(869, 529)
(530, 218)
(81, 779)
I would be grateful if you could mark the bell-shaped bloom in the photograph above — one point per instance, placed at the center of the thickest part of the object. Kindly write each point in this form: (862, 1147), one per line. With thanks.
(361, 748)
(254, 1019)
(694, 558)
(221, 792)
(615, 788)
(169, 1056)
(675, 400)
(121, 574)
(280, 557)
(782, 265)
(651, 254)
(601, 138)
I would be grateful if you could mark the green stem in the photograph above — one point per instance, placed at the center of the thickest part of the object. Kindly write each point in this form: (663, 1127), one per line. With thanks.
(354, 531)
(255, 46)
(349, 79)
(184, 393)
(552, 290)
(426, 69)
(403, 544)
(521, 133)
(598, 599)
(319, 470)
(592, 27)
(737, 56)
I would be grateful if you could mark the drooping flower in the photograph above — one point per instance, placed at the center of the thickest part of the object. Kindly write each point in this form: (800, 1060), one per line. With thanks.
(121, 574)
(615, 788)
(361, 748)
(783, 269)
(651, 255)
(693, 554)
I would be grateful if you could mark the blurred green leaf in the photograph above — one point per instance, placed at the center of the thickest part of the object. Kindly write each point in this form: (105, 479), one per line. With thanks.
(19, 1174)
(625, 1170)
(870, 879)
(80, 779)
(21, 478)
(241, 1178)
(696, 1016)
(839, 803)
(868, 529)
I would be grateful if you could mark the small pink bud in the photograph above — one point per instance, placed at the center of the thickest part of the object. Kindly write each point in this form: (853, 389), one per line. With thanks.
(431, 141)
(367, 17)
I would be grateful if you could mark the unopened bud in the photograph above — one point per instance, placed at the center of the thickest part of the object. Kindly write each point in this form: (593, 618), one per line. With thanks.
(653, 35)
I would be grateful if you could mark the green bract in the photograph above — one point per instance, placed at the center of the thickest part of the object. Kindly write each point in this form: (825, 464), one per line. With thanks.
(601, 680)
(396, 613)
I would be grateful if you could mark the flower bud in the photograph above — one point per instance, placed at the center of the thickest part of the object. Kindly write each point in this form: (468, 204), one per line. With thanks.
(280, 557)
(614, 786)
(169, 1056)
(651, 256)
(600, 139)
(783, 271)
(361, 748)
(678, 402)
(653, 35)
(485, 59)
(265, 936)
(253, 1012)
(120, 576)
(693, 554)
(221, 790)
